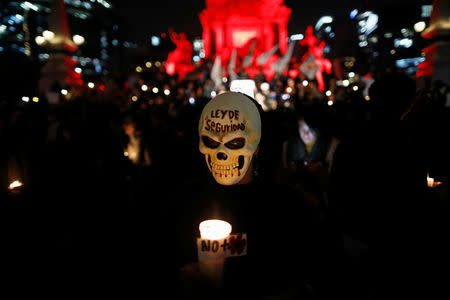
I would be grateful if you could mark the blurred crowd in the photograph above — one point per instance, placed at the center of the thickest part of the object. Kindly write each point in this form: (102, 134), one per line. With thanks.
(116, 143)
(95, 160)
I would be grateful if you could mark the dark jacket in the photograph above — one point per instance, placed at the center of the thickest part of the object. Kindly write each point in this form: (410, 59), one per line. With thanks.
(286, 245)
(296, 149)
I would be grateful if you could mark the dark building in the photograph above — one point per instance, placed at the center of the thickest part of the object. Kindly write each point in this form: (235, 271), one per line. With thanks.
(376, 34)
(23, 24)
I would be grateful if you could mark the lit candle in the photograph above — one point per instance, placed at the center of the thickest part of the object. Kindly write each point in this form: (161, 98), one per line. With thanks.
(430, 182)
(15, 184)
(15, 187)
(214, 229)
(211, 255)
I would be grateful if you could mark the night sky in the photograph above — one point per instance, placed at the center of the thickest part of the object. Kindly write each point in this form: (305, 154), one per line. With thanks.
(144, 17)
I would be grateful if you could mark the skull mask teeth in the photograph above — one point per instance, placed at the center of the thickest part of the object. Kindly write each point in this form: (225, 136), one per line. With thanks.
(230, 130)
(232, 169)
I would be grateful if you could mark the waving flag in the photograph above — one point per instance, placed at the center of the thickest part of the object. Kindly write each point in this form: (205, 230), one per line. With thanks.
(248, 58)
(309, 67)
(216, 72)
(232, 65)
(283, 62)
(264, 56)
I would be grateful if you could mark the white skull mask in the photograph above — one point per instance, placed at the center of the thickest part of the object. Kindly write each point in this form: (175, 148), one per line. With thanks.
(230, 131)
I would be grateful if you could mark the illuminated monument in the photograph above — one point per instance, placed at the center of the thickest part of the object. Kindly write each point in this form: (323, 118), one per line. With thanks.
(437, 54)
(179, 60)
(237, 24)
(312, 63)
(59, 68)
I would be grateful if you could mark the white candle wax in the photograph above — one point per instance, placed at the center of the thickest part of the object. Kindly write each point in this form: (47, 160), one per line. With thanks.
(214, 229)
(211, 264)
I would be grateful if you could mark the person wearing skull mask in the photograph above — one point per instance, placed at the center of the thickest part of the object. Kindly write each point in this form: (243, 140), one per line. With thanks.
(230, 132)
(270, 215)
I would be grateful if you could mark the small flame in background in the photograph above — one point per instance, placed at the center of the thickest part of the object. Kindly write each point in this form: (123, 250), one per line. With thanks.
(214, 229)
(431, 183)
(15, 184)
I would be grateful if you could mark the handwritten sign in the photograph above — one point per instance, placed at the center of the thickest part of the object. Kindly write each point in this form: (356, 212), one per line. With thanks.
(233, 245)
(218, 119)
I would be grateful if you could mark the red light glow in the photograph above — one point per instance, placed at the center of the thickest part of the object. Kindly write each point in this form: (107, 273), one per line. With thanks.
(293, 73)
(241, 37)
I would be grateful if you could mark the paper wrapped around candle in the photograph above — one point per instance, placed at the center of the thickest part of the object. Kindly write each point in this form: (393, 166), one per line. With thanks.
(211, 255)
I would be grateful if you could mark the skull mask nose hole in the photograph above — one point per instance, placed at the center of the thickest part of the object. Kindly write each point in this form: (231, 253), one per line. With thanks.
(221, 156)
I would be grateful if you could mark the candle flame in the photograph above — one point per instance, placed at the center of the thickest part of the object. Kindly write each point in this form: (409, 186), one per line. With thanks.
(214, 229)
(15, 184)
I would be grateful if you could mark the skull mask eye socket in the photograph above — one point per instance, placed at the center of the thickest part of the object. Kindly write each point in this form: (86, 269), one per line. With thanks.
(209, 142)
(236, 143)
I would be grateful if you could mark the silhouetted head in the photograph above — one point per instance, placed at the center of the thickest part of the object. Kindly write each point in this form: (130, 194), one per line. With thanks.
(391, 95)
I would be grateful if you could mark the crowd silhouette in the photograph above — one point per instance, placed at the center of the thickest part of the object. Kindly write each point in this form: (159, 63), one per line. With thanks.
(94, 166)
